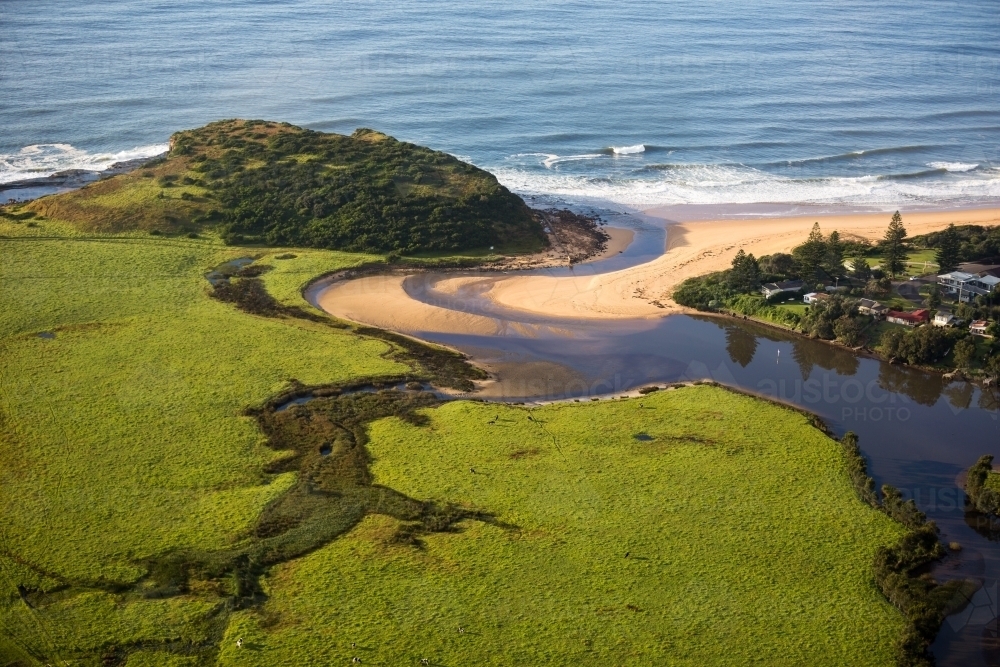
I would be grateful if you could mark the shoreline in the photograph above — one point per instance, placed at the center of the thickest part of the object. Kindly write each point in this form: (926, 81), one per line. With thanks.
(634, 293)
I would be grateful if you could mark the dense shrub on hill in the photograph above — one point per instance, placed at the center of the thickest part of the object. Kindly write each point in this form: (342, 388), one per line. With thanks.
(364, 192)
(276, 184)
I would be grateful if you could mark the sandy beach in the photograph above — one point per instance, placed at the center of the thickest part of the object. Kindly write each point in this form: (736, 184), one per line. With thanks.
(693, 248)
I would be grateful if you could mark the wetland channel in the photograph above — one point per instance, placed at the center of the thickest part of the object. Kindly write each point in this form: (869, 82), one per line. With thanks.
(918, 431)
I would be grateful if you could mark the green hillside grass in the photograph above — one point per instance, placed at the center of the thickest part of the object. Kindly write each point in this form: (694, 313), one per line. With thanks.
(123, 437)
(276, 184)
(127, 453)
(746, 544)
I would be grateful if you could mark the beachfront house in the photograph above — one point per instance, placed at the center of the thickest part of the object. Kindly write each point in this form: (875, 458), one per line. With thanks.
(912, 318)
(813, 297)
(967, 286)
(978, 328)
(874, 308)
(944, 319)
(774, 289)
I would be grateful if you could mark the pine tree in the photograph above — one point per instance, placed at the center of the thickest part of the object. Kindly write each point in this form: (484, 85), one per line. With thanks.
(811, 254)
(861, 269)
(894, 253)
(834, 260)
(947, 255)
(745, 274)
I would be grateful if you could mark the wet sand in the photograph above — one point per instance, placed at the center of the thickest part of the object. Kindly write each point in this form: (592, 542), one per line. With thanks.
(643, 291)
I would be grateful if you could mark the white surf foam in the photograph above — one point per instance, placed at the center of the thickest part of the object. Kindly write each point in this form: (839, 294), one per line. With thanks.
(953, 166)
(737, 184)
(552, 160)
(629, 150)
(39, 160)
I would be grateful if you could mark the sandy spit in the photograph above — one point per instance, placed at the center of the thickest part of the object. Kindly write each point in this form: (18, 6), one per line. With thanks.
(693, 248)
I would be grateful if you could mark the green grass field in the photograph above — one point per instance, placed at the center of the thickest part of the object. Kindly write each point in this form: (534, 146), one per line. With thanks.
(123, 440)
(746, 545)
(796, 307)
(123, 437)
(918, 262)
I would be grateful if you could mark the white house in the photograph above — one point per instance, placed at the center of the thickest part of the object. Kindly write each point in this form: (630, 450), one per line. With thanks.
(978, 328)
(813, 297)
(773, 289)
(943, 319)
(869, 307)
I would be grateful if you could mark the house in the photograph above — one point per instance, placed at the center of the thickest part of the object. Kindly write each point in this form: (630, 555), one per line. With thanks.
(944, 319)
(773, 289)
(969, 285)
(813, 297)
(869, 307)
(987, 282)
(910, 319)
(978, 328)
(954, 280)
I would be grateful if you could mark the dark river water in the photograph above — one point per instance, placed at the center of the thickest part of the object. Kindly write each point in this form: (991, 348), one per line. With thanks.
(918, 431)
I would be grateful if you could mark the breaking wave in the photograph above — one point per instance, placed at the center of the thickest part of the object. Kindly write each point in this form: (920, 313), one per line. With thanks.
(674, 184)
(953, 166)
(40, 160)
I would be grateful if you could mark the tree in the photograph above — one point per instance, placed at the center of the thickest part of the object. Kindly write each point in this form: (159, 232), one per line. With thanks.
(949, 248)
(993, 367)
(922, 345)
(810, 255)
(834, 259)
(934, 296)
(779, 264)
(745, 274)
(965, 352)
(875, 288)
(894, 252)
(860, 268)
(848, 330)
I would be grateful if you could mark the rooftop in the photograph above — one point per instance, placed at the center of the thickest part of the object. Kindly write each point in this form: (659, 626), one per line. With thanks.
(959, 276)
(912, 316)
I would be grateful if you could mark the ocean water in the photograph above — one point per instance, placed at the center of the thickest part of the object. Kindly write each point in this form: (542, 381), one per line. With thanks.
(641, 104)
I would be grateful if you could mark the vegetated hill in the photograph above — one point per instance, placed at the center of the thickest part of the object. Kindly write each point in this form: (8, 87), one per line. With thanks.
(975, 241)
(277, 184)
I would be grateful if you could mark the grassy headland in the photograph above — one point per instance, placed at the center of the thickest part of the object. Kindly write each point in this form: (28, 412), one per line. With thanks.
(281, 185)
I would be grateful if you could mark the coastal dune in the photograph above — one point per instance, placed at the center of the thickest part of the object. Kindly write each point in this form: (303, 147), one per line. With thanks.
(643, 291)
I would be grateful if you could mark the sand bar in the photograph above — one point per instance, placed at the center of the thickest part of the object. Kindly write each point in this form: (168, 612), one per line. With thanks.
(693, 248)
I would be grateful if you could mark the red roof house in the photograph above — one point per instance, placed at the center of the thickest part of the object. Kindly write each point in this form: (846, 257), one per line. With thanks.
(908, 319)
